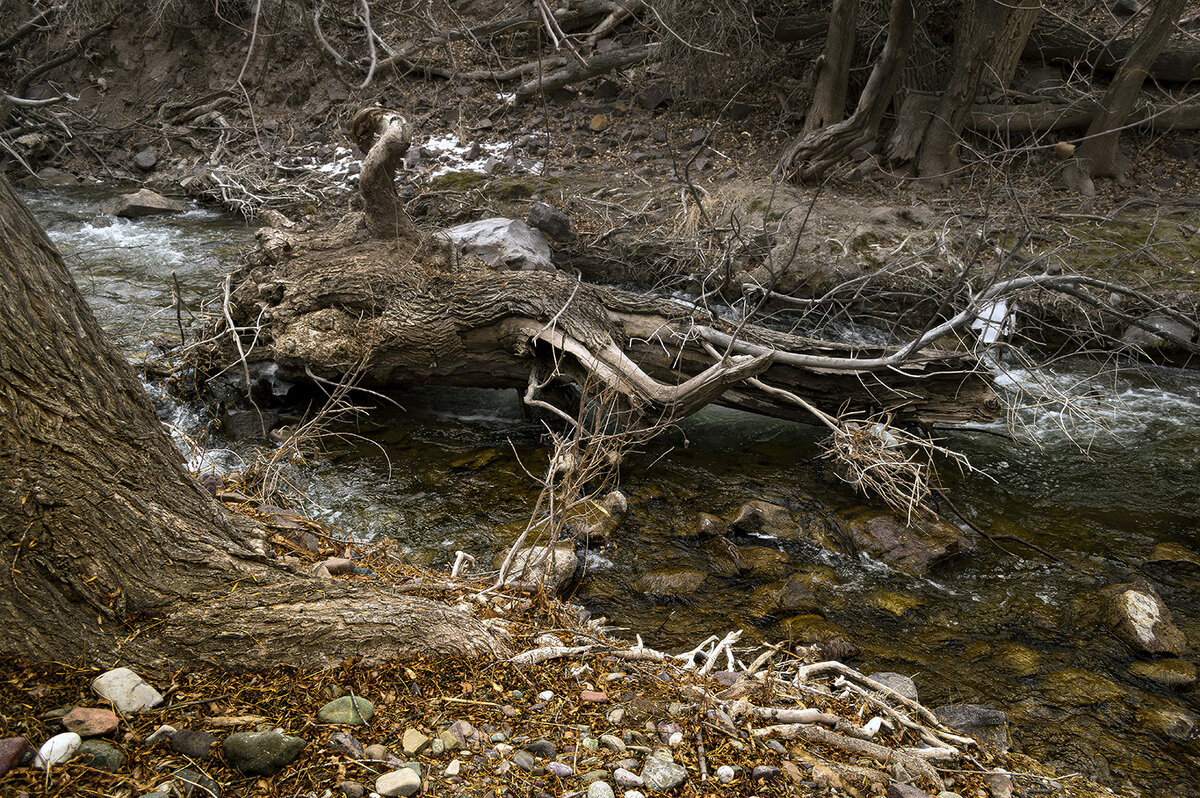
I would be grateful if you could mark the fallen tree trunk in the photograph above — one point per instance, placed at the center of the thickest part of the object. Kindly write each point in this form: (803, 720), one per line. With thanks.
(1058, 41)
(394, 311)
(1056, 116)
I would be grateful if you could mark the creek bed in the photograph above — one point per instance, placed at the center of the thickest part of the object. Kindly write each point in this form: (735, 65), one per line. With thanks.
(1098, 484)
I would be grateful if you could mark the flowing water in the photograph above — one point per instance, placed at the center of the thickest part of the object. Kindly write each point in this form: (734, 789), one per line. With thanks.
(1097, 485)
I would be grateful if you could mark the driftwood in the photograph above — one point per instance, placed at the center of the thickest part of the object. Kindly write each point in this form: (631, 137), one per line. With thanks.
(395, 307)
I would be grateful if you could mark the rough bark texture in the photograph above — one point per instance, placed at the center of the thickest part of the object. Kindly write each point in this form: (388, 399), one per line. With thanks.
(1098, 153)
(394, 313)
(812, 155)
(1060, 40)
(112, 551)
(833, 68)
(974, 46)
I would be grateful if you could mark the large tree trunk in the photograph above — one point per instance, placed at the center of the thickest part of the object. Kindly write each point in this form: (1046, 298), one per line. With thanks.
(1098, 153)
(980, 50)
(112, 550)
(391, 313)
(833, 68)
(813, 154)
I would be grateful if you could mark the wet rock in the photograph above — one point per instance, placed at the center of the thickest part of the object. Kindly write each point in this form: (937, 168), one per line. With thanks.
(827, 635)
(141, 203)
(57, 749)
(659, 774)
(1175, 674)
(189, 783)
(913, 550)
(399, 782)
(100, 755)
(597, 522)
(146, 160)
(766, 519)
(261, 753)
(1075, 687)
(669, 582)
(1017, 659)
(1173, 556)
(351, 712)
(1174, 724)
(898, 682)
(891, 601)
(710, 526)
(193, 743)
(12, 751)
(127, 691)
(244, 425)
(761, 562)
(987, 724)
(90, 721)
(539, 565)
(503, 244)
(782, 598)
(413, 742)
(1136, 615)
(550, 221)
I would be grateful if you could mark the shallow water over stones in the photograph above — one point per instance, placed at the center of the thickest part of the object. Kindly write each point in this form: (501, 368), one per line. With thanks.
(1027, 635)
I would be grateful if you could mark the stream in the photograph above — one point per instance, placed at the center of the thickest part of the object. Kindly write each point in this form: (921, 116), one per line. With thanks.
(1099, 487)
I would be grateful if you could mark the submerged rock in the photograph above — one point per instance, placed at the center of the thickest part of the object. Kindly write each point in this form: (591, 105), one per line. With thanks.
(670, 582)
(988, 724)
(1136, 614)
(912, 549)
(1075, 687)
(783, 598)
(1176, 674)
(141, 203)
(503, 244)
(766, 519)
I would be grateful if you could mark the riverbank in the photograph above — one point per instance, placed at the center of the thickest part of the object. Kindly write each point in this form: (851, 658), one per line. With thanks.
(575, 710)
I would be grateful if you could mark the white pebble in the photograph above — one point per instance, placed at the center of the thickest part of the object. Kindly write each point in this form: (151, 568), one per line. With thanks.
(634, 794)
(725, 774)
(545, 695)
(675, 739)
(58, 748)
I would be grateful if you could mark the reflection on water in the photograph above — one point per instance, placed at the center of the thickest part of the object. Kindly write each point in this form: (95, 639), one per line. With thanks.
(449, 472)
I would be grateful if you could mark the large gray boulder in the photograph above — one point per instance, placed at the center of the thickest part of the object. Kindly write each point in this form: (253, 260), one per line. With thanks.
(141, 203)
(503, 244)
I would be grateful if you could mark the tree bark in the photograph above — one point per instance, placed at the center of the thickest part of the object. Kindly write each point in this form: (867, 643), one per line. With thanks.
(341, 302)
(1056, 40)
(833, 68)
(1097, 155)
(812, 155)
(975, 45)
(112, 550)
